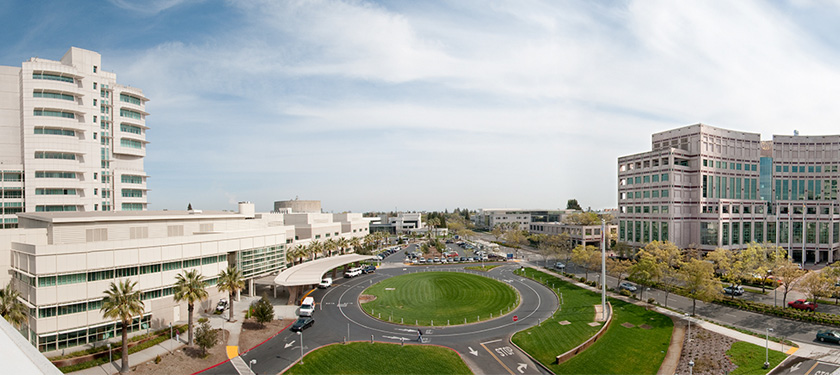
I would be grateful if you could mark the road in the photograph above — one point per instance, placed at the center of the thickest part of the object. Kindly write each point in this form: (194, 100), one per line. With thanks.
(484, 346)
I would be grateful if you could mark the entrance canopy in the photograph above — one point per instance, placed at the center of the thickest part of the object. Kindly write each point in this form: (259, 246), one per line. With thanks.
(310, 273)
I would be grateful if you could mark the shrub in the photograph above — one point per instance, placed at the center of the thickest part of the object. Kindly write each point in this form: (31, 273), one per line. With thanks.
(262, 310)
(582, 279)
(625, 292)
(651, 301)
(157, 359)
(202, 320)
(206, 337)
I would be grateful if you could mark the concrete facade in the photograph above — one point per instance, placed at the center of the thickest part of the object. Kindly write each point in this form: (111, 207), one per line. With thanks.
(71, 138)
(488, 218)
(706, 187)
(578, 234)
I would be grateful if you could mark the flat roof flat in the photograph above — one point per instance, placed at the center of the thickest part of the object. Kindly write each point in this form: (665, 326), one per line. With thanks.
(310, 273)
(99, 216)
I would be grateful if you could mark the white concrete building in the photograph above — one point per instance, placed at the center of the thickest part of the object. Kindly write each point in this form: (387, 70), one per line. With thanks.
(489, 218)
(71, 138)
(404, 222)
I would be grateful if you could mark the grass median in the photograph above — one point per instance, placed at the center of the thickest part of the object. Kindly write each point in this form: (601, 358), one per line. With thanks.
(378, 358)
(635, 343)
(439, 298)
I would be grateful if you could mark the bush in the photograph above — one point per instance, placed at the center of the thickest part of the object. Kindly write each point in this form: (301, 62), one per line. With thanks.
(262, 310)
(625, 292)
(202, 320)
(157, 359)
(206, 337)
(591, 283)
(651, 301)
(582, 279)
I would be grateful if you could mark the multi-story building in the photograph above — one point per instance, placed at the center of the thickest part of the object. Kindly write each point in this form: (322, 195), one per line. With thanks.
(578, 234)
(71, 138)
(488, 218)
(706, 187)
(404, 222)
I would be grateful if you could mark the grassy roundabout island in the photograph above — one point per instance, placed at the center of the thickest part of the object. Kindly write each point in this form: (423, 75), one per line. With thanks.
(366, 358)
(438, 298)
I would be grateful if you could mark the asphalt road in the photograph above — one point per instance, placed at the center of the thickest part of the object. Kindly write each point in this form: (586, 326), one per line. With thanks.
(484, 346)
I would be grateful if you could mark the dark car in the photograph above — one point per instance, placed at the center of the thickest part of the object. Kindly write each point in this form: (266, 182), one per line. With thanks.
(802, 304)
(302, 323)
(369, 269)
(829, 335)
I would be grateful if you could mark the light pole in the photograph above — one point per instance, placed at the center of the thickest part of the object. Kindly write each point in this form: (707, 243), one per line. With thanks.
(251, 365)
(688, 318)
(690, 367)
(603, 270)
(110, 360)
(301, 346)
(767, 347)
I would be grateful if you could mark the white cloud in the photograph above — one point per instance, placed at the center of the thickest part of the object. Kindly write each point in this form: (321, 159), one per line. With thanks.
(148, 7)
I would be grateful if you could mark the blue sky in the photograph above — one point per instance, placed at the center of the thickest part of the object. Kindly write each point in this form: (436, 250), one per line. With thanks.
(426, 105)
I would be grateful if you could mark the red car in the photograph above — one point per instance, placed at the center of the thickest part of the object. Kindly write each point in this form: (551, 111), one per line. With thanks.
(802, 304)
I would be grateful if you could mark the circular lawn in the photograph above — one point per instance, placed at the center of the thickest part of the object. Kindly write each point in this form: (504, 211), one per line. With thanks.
(438, 298)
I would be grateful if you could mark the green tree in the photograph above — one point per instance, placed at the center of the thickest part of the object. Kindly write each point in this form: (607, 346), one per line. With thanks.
(815, 285)
(618, 268)
(582, 218)
(586, 256)
(190, 287)
(122, 302)
(206, 337)
(572, 204)
(11, 308)
(786, 273)
(699, 282)
(668, 258)
(230, 281)
(645, 271)
(498, 232)
(262, 310)
(768, 257)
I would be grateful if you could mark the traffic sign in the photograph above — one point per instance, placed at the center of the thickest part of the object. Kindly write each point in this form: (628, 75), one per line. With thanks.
(515, 318)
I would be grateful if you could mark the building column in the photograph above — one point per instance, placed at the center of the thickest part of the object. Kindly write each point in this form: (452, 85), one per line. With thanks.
(251, 288)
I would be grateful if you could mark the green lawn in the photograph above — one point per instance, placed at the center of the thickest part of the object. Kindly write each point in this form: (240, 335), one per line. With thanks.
(438, 297)
(482, 268)
(366, 358)
(621, 350)
(750, 358)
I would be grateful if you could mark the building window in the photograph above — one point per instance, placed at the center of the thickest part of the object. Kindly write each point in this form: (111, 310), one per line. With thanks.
(132, 193)
(54, 155)
(52, 77)
(50, 113)
(130, 114)
(53, 95)
(130, 99)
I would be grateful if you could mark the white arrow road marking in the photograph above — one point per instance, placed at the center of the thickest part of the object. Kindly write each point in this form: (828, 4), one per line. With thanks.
(795, 367)
(473, 351)
(396, 338)
(521, 368)
(407, 330)
(288, 344)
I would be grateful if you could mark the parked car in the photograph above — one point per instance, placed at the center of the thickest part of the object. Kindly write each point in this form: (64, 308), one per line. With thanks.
(353, 272)
(733, 290)
(222, 305)
(369, 269)
(802, 304)
(302, 323)
(829, 335)
(325, 283)
(627, 286)
(560, 266)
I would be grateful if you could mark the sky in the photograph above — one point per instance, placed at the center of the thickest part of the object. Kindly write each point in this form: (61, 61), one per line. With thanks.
(433, 105)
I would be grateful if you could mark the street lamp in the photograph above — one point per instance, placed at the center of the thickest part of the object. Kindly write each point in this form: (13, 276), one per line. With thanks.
(110, 360)
(301, 346)
(251, 364)
(767, 347)
(690, 367)
(688, 318)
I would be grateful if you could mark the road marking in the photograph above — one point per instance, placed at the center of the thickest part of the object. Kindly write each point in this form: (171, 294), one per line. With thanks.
(406, 330)
(473, 351)
(791, 350)
(812, 368)
(232, 351)
(497, 358)
(288, 344)
(522, 367)
(399, 338)
(490, 342)
(795, 367)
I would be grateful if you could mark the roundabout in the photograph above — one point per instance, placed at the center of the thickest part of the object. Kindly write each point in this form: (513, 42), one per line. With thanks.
(438, 298)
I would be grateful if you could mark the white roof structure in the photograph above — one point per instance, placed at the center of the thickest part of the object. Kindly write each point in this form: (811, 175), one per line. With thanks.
(310, 273)
(19, 356)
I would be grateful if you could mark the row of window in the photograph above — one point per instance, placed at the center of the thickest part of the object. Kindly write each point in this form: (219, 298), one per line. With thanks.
(88, 335)
(737, 233)
(729, 165)
(806, 189)
(55, 208)
(52, 77)
(130, 143)
(74, 278)
(51, 174)
(131, 179)
(54, 155)
(131, 129)
(130, 114)
(644, 209)
(53, 95)
(45, 191)
(132, 193)
(51, 113)
(729, 188)
(55, 131)
(132, 206)
(645, 194)
(645, 179)
(806, 169)
(12, 176)
(642, 231)
(130, 99)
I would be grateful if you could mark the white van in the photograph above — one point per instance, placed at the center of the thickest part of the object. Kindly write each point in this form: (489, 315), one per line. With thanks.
(307, 306)
(325, 283)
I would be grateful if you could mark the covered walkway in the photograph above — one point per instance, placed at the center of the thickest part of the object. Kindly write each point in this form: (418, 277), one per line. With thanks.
(311, 273)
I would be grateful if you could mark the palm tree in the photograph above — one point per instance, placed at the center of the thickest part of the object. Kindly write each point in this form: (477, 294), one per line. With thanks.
(190, 286)
(298, 252)
(342, 244)
(122, 302)
(11, 308)
(313, 249)
(355, 243)
(231, 281)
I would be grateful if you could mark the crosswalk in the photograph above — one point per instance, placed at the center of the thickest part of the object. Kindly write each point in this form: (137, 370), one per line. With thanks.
(240, 366)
